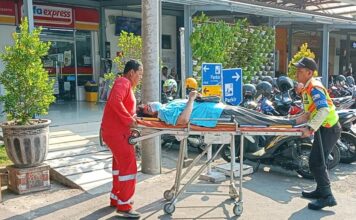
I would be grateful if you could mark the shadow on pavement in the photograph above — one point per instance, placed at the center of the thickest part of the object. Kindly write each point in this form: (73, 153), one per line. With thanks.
(305, 213)
(100, 213)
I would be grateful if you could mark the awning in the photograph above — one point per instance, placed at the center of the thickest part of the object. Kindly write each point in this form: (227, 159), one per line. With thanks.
(278, 12)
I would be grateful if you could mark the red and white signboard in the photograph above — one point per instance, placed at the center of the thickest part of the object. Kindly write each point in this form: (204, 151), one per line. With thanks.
(63, 16)
(44, 14)
(52, 16)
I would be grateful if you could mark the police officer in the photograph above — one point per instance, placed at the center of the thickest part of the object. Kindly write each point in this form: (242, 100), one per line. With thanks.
(323, 119)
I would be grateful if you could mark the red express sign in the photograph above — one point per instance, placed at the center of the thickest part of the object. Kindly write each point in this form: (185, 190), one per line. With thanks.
(44, 14)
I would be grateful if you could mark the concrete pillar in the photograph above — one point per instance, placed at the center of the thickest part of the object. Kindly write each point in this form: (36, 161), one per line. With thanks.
(28, 12)
(102, 34)
(325, 56)
(347, 47)
(188, 28)
(290, 41)
(151, 149)
(182, 61)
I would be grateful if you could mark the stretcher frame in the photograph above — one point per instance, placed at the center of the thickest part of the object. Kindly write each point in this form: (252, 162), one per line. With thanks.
(183, 132)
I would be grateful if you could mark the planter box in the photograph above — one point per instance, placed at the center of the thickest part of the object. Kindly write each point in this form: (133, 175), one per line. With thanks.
(26, 180)
(3, 176)
(3, 180)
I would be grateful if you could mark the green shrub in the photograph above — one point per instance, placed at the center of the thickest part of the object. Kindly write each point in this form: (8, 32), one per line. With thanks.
(28, 92)
(4, 159)
(303, 52)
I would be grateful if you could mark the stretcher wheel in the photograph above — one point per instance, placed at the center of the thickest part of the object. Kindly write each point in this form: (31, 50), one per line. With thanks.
(134, 134)
(238, 208)
(168, 195)
(131, 141)
(169, 208)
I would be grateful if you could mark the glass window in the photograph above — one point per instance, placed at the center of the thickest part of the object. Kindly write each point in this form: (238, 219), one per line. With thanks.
(84, 56)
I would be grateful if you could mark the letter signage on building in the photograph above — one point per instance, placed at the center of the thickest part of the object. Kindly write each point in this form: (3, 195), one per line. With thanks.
(52, 16)
(64, 17)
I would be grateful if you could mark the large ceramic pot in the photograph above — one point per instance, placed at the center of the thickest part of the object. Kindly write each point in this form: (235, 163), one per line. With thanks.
(26, 145)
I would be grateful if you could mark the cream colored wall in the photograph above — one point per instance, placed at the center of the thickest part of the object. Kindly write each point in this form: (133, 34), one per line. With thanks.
(169, 57)
(6, 40)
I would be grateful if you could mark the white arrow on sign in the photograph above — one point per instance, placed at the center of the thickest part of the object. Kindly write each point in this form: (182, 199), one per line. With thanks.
(237, 76)
(205, 68)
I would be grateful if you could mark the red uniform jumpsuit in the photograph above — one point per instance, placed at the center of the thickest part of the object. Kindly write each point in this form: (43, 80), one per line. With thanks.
(115, 128)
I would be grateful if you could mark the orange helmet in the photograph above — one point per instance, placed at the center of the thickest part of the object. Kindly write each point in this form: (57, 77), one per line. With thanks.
(191, 83)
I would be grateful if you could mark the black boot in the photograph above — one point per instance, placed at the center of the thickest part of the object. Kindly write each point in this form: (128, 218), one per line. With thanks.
(312, 195)
(326, 199)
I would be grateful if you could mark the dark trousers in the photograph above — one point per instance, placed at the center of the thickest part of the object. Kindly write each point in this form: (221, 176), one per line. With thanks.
(329, 137)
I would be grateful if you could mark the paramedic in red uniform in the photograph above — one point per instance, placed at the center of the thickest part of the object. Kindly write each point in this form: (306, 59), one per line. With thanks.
(118, 118)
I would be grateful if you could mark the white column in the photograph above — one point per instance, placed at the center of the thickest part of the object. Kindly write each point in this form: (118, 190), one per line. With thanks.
(151, 149)
(28, 9)
(325, 56)
(188, 29)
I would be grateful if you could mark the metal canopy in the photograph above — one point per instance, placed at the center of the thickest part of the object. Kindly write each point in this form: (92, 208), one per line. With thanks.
(283, 11)
(278, 12)
(345, 8)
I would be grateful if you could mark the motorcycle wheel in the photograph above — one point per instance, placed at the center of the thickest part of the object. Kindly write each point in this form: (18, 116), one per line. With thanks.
(225, 153)
(303, 159)
(349, 155)
(334, 158)
(331, 162)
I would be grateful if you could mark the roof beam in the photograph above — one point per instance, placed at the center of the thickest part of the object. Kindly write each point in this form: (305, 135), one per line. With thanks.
(258, 8)
(87, 3)
(332, 7)
(120, 3)
(346, 12)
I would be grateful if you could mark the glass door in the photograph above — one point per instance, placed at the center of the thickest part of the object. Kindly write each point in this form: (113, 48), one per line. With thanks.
(61, 62)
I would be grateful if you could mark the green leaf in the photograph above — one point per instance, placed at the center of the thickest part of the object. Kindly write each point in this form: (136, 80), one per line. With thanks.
(28, 91)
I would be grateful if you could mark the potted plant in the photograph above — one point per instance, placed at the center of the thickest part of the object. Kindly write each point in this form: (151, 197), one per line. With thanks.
(28, 93)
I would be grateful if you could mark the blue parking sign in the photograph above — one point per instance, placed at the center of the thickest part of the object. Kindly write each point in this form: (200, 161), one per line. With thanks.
(232, 86)
(211, 74)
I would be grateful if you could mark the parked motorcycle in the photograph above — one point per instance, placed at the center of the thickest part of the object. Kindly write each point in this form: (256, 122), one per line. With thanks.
(347, 141)
(291, 153)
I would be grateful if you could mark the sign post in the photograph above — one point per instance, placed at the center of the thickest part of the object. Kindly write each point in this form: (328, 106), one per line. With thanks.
(232, 86)
(211, 79)
(211, 86)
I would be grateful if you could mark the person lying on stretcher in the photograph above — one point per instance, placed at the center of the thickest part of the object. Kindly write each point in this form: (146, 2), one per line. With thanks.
(181, 111)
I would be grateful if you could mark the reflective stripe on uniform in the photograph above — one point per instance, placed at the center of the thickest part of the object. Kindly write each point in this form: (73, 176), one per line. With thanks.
(312, 107)
(113, 196)
(120, 202)
(127, 177)
(115, 172)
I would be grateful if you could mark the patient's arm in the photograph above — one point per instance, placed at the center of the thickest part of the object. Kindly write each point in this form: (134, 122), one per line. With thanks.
(185, 115)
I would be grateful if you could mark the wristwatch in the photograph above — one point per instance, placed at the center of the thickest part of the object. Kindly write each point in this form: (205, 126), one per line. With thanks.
(310, 129)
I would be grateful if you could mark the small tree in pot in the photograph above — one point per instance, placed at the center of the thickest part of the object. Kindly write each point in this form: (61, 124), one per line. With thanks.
(29, 92)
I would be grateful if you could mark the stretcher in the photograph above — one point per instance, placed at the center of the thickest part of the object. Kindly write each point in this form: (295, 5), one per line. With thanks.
(223, 133)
